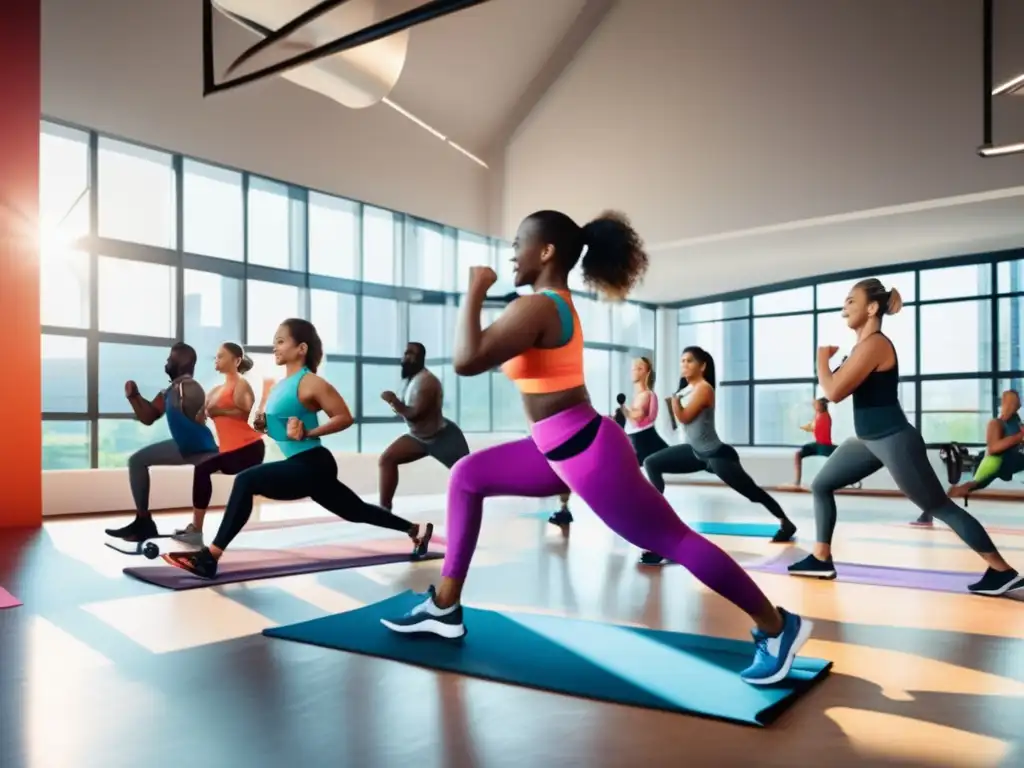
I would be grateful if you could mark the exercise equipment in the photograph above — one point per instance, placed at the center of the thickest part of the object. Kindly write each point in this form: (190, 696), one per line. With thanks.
(958, 460)
(669, 671)
(880, 575)
(251, 564)
(146, 547)
(756, 530)
(620, 417)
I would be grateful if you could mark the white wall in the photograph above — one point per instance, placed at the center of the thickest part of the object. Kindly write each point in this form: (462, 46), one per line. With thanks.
(711, 116)
(133, 68)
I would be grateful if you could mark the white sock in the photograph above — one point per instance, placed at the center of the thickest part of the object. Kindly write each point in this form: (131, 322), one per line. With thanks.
(434, 610)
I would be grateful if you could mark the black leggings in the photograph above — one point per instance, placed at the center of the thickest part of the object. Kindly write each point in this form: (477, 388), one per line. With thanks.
(227, 463)
(647, 442)
(724, 462)
(312, 474)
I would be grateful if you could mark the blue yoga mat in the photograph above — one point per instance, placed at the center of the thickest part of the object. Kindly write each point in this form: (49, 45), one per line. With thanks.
(757, 530)
(647, 668)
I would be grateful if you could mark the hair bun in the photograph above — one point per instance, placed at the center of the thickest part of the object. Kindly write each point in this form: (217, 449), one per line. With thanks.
(894, 303)
(246, 364)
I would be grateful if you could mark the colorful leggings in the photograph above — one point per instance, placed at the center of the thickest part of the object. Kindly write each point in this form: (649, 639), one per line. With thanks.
(590, 455)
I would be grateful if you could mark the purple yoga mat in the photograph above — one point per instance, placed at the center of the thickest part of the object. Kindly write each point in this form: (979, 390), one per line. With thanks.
(7, 600)
(252, 564)
(881, 575)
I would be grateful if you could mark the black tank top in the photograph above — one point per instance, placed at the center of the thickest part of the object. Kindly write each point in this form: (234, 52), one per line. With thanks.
(877, 411)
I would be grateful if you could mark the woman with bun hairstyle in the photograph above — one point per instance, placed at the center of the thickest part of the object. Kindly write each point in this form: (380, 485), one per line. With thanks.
(884, 438)
(228, 405)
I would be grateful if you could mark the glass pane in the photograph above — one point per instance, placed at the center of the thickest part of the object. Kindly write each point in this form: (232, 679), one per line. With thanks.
(136, 194)
(956, 411)
(66, 445)
(383, 328)
(65, 374)
(333, 236)
(621, 380)
(472, 251)
(374, 438)
(727, 342)
(427, 326)
(956, 337)
(334, 315)
(509, 415)
(212, 215)
(137, 298)
(426, 263)
(632, 325)
(120, 438)
(379, 247)
(784, 347)
(719, 310)
(595, 318)
(266, 306)
(1010, 276)
(504, 267)
(213, 315)
(63, 287)
(900, 328)
(792, 300)
(450, 385)
(276, 226)
(342, 375)
(779, 411)
(956, 282)
(833, 295)
(119, 363)
(1011, 334)
(597, 370)
(732, 414)
(63, 185)
(475, 403)
(265, 369)
(377, 379)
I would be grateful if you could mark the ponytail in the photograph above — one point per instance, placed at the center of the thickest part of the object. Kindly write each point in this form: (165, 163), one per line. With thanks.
(615, 260)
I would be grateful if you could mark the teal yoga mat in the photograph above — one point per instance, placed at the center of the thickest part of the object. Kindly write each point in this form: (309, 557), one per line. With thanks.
(757, 530)
(689, 674)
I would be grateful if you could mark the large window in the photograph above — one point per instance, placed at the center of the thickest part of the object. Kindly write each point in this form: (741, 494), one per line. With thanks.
(184, 250)
(958, 347)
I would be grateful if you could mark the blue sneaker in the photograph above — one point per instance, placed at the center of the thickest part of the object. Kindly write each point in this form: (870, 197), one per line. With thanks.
(429, 619)
(773, 656)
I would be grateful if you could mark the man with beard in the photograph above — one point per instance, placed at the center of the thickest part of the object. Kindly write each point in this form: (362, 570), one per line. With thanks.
(430, 433)
(184, 405)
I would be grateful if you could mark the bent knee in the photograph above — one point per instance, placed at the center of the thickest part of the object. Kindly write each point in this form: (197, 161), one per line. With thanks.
(465, 475)
(822, 487)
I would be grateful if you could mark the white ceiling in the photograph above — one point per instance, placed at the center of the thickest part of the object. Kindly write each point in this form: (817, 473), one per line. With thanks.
(738, 260)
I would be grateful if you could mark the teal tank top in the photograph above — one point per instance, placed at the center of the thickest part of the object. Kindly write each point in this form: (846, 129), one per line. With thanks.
(283, 404)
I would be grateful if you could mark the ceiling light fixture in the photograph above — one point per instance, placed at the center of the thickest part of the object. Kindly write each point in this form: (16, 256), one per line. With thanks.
(1010, 86)
(406, 113)
(1001, 149)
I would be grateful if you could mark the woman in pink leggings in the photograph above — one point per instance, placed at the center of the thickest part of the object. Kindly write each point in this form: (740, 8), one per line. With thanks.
(539, 345)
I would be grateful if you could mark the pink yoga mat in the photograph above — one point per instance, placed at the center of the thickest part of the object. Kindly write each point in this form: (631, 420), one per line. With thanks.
(252, 564)
(882, 575)
(7, 600)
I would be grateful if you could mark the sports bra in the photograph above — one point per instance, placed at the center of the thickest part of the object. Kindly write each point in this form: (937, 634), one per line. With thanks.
(233, 432)
(542, 371)
(648, 419)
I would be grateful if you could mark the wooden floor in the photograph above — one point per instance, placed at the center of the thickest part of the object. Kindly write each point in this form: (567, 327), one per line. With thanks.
(99, 670)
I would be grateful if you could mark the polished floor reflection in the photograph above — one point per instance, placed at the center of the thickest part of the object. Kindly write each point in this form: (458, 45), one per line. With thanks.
(99, 670)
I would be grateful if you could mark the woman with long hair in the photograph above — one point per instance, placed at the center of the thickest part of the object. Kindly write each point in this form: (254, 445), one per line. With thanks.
(538, 342)
(240, 446)
(642, 414)
(704, 450)
(884, 438)
(308, 469)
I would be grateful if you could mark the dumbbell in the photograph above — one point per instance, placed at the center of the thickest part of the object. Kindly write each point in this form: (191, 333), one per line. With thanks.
(620, 399)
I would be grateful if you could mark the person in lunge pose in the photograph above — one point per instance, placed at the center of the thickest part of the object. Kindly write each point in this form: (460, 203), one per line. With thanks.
(539, 344)
(703, 449)
(308, 469)
(183, 404)
(821, 427)
(430, 433)
(228, 405)
(884, 438)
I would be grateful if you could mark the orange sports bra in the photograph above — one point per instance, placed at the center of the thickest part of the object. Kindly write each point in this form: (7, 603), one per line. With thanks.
(233, 432)
(542, 371)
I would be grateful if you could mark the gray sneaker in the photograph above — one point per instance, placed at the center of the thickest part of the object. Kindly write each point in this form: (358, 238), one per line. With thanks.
(189, 535)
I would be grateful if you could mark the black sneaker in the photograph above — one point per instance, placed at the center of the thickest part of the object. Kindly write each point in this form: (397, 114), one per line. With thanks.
(202, 563)
(139, 529)
(785, 533)
(997, 583)
(813, 567)
(427, 618)
(562, 517)
(924, 521)
(422, 544)
(653, 558)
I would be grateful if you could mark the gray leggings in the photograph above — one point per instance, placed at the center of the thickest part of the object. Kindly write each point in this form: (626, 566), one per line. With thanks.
(906, 458)
(162, 454)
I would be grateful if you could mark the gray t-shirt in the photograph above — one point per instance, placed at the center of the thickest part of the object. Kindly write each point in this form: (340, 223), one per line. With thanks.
(432, 420)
